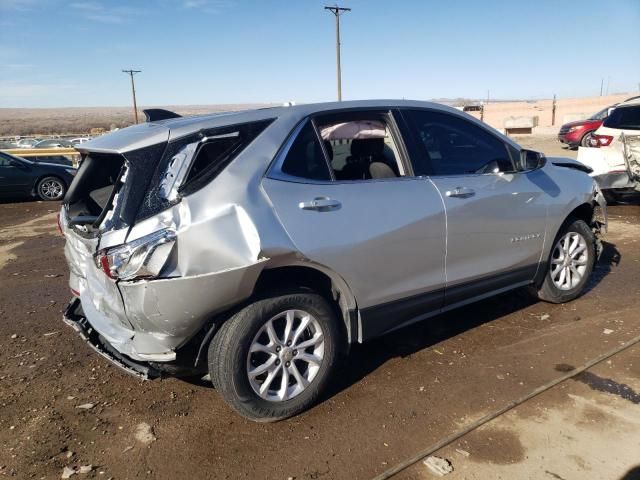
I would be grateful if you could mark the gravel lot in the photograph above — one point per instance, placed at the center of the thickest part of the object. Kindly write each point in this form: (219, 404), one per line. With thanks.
(393, 398)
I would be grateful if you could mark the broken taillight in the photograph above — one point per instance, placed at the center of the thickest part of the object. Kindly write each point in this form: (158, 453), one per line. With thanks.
(597, 141)
(140, 258)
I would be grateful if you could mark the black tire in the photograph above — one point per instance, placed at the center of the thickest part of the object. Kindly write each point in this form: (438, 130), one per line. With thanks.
(584, 142)
(549, 291)
(229, 359)
(609, 196)
(51, 189)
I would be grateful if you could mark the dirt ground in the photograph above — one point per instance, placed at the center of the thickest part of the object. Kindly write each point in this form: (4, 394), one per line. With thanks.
(392, 398)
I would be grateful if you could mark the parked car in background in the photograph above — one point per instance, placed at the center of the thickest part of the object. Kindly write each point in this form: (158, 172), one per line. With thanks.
(607, 155)
(20, 177)
(26, 142)
(54, 143)
(80, 140)
(578, 133)
(265, 242)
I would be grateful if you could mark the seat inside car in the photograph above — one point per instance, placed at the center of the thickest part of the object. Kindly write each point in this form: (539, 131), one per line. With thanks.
(365, 153)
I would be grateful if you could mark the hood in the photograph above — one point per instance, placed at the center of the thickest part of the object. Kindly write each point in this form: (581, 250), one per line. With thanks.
(569, 163)
(580, 123)
(59, 165)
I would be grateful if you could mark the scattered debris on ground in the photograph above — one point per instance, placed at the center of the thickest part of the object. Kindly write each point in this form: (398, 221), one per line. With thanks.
(438, 466)
(144, 433)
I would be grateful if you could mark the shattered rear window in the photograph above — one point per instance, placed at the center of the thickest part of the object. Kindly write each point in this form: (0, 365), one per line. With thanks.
(205, 154)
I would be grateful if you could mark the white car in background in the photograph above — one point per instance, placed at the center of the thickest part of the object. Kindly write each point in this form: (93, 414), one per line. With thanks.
(614, 151)
(80, 140)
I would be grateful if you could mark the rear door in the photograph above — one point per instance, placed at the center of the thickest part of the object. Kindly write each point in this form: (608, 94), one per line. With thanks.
(496, 215)
(382, 232)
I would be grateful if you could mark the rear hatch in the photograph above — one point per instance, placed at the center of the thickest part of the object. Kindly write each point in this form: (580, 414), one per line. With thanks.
(101, 206)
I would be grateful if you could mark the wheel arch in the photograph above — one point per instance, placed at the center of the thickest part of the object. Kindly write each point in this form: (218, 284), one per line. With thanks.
(322, 281)
(281, 278)
(583, 211)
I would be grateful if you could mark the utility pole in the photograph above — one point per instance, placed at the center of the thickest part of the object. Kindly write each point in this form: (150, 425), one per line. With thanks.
(131, 73)
(601, 85)
(337, 11)
(553, 111)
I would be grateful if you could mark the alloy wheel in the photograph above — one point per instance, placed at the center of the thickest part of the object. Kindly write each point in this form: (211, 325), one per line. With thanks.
(285, 355)
(51, 189)
(569, 261)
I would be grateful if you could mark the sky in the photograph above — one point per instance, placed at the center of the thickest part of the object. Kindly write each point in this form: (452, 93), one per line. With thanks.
(57, 53)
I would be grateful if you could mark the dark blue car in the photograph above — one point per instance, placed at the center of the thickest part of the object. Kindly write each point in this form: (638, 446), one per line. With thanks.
(47, 180)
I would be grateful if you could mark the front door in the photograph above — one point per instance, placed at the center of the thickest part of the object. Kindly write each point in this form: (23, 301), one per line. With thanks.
(496, 215)
(15, 177)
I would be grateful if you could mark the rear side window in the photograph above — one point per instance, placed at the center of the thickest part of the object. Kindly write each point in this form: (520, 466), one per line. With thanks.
(305, 158)
(219, 148)
(624, 118)
(450, 145)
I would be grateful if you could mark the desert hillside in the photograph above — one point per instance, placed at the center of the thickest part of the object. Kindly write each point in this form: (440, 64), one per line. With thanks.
(80, 120)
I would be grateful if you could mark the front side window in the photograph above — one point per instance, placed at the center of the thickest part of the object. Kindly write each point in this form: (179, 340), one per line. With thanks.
(624, 118)
(601, 115)
(450, 145)
(5, 161)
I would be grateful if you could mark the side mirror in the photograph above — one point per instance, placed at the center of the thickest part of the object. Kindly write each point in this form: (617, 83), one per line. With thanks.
(531, 160)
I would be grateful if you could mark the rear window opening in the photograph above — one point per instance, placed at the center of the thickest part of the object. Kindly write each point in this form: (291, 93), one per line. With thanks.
(92, 191)
(108, 189)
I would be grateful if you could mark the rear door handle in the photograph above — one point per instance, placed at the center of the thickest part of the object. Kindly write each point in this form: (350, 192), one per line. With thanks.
(460, 192)
(321, 204)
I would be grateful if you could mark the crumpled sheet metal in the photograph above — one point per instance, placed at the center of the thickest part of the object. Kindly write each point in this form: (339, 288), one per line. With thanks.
(632, 156)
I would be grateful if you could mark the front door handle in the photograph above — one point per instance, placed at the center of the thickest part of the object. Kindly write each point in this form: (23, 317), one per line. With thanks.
(460, 192)
(321, 204)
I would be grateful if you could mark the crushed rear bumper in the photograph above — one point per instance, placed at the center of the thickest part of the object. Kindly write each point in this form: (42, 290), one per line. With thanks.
(74, 317)
(183, 366)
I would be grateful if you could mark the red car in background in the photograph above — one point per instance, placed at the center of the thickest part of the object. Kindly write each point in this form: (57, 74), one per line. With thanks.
(576, 134)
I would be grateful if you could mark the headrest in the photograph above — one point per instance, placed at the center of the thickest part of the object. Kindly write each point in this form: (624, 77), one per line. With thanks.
(367, 147)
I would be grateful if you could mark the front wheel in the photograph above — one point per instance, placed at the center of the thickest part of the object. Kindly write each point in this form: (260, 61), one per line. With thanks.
(570, 264)
(50, 189)
(586, 139)
(273, 359)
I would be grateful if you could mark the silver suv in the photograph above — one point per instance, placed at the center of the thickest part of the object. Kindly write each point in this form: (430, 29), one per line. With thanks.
(255, 247)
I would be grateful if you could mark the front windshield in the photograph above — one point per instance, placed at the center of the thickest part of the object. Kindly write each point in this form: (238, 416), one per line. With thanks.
(601, 115)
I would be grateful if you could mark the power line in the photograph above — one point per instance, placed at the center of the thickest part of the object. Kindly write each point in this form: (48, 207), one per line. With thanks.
(337, 11)
(131, 73)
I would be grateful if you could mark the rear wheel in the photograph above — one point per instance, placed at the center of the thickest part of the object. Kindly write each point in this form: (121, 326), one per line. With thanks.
(51, 188)
(273, 359)
(570, 263)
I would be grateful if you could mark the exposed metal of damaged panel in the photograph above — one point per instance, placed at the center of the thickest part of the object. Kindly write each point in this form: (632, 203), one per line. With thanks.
(632, 157)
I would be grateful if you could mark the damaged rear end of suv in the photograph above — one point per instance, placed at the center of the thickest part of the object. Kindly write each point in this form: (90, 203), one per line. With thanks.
(142, 298)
